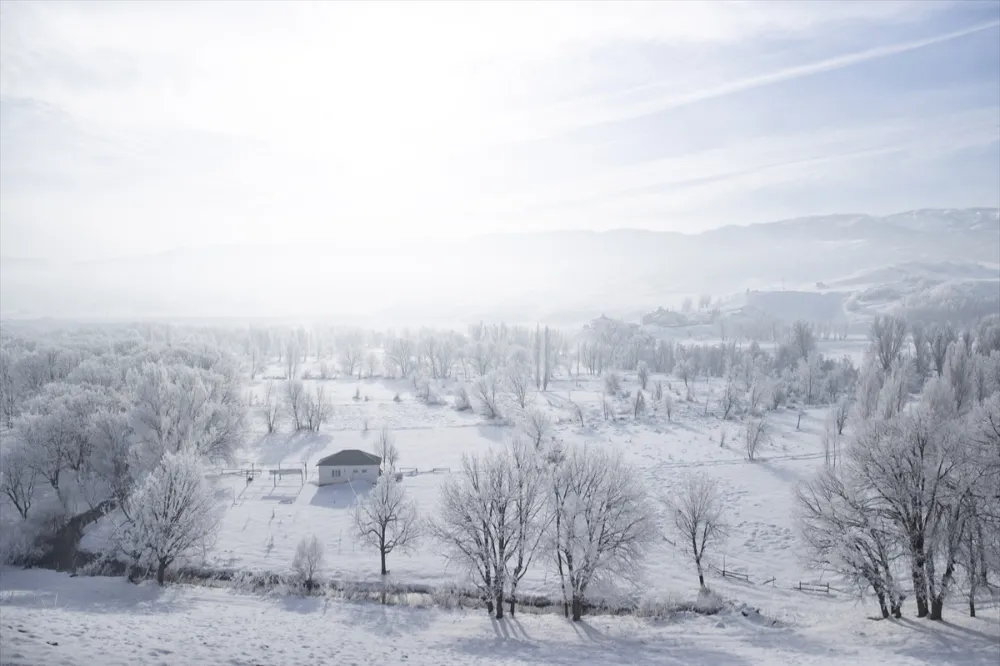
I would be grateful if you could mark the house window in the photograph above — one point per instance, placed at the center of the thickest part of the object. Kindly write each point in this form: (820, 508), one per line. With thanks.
(334, 472)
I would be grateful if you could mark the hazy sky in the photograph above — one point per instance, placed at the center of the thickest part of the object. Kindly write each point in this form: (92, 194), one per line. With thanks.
(137, 127)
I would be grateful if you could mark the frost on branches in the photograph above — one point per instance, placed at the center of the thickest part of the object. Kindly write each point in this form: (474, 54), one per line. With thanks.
(172, 513)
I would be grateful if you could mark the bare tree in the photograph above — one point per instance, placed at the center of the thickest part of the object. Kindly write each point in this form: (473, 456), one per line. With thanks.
(921, 350)
(841, 412)
(372, 364)
(486, 389)
(295, 403)
(698, 516)
(291, 360)
(803, 338)
(400, 357)
(308, 561)
(757, 396)
(481, 354)
(755, 433)
(350, 359)
(536, 424)
(317, 409)
(256, 360)
(638, 404)
(462, 401)
(887, 337)
(940, 339)
(603, 522)
(958, 370)
(730, 398)
(387, 519)
(669, 406)
(385, 448)
(17, 478)
(642, 373)
(519, 383)
(271, 409)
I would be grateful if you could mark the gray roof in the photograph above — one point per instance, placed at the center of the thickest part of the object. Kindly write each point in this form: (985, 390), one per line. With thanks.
(350, 458)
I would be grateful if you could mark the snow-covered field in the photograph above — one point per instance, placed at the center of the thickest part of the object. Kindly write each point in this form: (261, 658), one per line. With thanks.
(264, 521)
(49, 618)
(52, 619)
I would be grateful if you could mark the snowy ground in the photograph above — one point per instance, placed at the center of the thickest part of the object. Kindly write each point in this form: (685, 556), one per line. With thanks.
(264, 522)
(51, 619)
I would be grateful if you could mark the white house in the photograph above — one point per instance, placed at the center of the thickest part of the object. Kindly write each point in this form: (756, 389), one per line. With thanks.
(348, 465)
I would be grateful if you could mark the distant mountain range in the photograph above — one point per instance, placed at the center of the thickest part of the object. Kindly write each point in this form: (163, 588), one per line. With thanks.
(565, 276)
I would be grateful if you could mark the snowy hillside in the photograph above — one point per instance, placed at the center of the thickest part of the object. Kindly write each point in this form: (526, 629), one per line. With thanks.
(563, 277)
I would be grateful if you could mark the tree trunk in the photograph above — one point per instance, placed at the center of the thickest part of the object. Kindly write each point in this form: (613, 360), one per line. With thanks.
(577, 608)
(937, 606)
(161, 570)
(384, 570)
(972, 605)
(499, 605)
(897, 609)
(919, 578)
(512, 606)
(489, 606)
(881, 605)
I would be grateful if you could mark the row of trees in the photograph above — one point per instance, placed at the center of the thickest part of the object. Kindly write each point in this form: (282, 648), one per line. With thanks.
(916, 494)
(115, 425)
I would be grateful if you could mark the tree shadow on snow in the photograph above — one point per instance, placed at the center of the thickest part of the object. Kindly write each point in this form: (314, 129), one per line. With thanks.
(593, 648)
(277, 447)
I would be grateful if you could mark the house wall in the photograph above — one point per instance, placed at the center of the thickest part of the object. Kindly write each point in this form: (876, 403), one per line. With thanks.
(348, 473)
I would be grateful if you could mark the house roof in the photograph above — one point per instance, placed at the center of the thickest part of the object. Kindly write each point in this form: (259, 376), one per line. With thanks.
(350, 458)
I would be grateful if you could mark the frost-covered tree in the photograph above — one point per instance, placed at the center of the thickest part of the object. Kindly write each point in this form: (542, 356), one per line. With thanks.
(603, 522)
(697, 511)
(755, 433)
(486, 390)
(172, 511)
(271, 409)
(386, 449)
(528, 488)
(518, 382)
(308, 561)
(318, 409)
(844, 529)
(959, 371)
(940, 339)
(400, 357)
(612, 383)
(887, 337)
(295, 404)
(536, 424)
(351, 359)
(386, 519)
(729, 400)
(642, 373)
(803, 338)
(476, 523)
(17, 478)
(921, 351)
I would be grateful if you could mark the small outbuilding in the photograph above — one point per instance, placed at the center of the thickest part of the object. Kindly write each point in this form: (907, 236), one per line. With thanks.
(348, 465)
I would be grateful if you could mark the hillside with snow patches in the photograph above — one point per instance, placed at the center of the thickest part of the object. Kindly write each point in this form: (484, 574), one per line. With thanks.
(560, 277)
